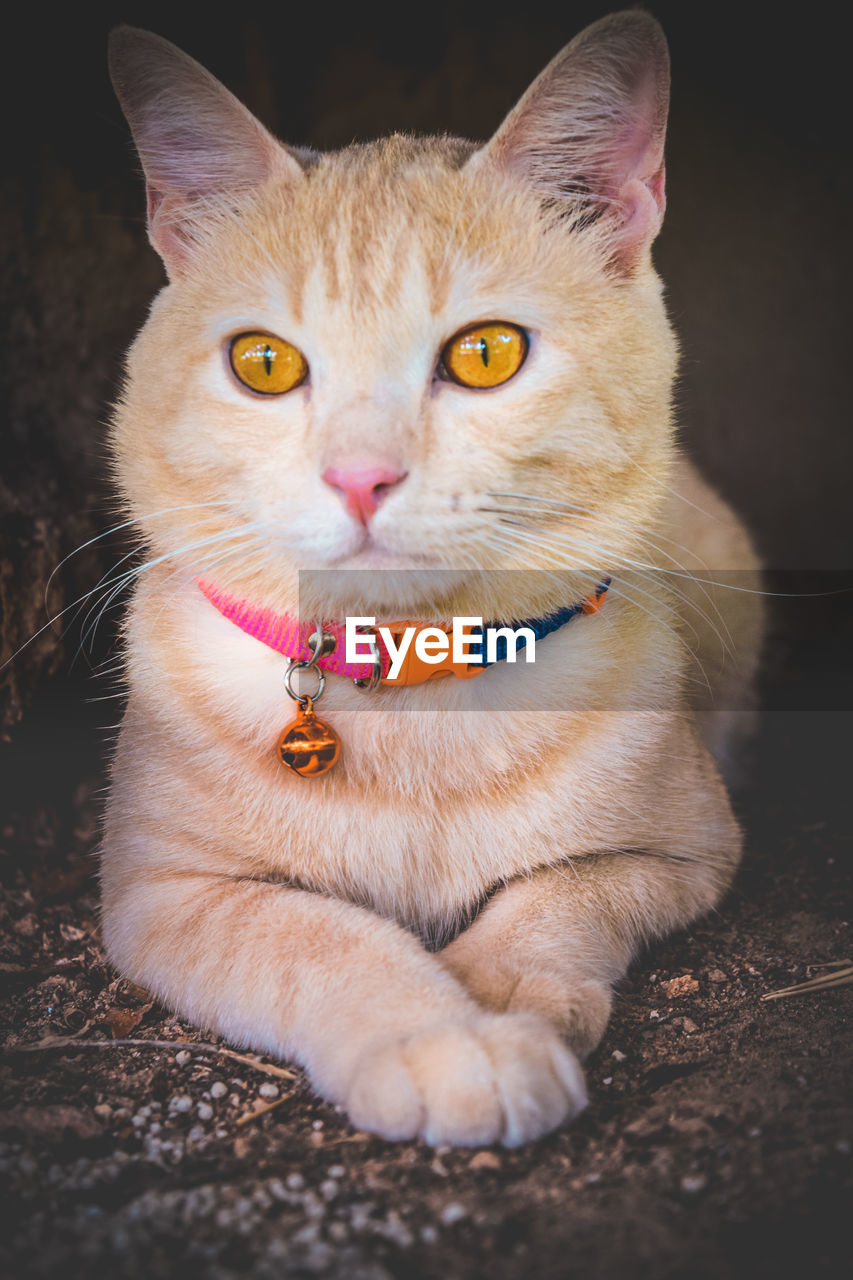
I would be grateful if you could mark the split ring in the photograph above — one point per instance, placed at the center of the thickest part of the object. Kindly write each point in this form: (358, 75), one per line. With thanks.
(302, 698)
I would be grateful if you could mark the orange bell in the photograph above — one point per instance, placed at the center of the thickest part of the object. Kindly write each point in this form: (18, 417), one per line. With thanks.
(309, 746)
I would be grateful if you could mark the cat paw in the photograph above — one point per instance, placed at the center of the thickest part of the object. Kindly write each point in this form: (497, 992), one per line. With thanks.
(579, 1008)
(503, 1078)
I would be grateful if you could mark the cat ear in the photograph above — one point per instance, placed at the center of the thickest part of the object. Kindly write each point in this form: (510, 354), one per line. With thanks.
(590, 131)
(194, 138)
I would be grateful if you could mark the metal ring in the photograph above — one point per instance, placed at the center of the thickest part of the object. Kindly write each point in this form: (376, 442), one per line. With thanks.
(303, 697)
(370, 682)
(320, 643)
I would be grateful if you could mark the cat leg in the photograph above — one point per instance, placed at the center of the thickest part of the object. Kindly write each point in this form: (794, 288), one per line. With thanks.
(555, 943)
(380, 1025)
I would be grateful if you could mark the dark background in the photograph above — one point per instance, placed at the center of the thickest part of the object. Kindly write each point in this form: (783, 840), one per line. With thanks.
(755, 254)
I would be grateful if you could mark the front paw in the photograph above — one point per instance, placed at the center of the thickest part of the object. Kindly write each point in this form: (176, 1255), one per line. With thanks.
(508, 982)
(500, 1078)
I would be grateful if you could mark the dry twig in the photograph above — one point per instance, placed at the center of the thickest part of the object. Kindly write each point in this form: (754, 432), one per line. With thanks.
(262, 1111)
(69, 1042)
(840, 974)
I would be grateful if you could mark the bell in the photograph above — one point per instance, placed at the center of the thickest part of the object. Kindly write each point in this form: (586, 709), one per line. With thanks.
(309, 746)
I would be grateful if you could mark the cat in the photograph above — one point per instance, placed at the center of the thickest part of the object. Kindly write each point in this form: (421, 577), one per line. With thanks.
(433, 927)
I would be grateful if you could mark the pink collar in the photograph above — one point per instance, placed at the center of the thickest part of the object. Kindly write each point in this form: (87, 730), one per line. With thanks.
(288, 635)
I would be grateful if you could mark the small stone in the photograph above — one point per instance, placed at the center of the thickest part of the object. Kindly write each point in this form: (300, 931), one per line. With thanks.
(315, 1124)
(607, 1080)
(218, 1089)
(716, 975)
(204, 1111)
(338, 1232)
(269, 1090)
(294, 1182)
(689, 1026)
(618, 1056)
(103, 1111)
(429, 1235)
(182, 1057)
(181, 1102)
(328, 1189)
(453, 1213)
(754, 1132)
(654, 1014)
(485, 1160)
(337, 1171)
(676, 987)
(693, 1183)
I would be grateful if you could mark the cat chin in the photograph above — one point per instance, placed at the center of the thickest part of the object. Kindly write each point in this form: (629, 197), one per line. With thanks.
(384, 586)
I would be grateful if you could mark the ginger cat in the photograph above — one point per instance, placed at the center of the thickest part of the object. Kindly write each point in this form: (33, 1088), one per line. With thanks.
(547, 819)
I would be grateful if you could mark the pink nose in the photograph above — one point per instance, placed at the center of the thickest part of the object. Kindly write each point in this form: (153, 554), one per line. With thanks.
(363, 488)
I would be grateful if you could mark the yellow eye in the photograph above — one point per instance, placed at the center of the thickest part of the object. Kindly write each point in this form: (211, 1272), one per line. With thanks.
(486, 355)
(266, 364)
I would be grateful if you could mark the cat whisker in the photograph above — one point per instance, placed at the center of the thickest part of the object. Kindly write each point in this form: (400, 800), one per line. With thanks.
(620, 590)
(127, 524)
(652, 573)
(116, 587)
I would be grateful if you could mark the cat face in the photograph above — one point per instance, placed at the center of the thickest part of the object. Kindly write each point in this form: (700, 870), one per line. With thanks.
(369, 263)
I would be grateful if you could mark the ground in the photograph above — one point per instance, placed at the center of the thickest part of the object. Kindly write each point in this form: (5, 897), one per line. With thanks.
(716, 1143)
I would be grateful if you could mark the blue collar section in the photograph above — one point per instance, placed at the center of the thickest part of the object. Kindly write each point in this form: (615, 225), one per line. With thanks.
(542, 627)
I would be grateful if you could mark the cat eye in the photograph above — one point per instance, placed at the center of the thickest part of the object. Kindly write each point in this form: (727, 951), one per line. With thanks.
(267, 364)
(485, 355)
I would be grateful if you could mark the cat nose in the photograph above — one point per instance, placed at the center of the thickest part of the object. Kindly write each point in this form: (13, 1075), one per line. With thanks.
(362, 488)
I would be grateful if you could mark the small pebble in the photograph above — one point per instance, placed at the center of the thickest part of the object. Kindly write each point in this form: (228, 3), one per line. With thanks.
(607, 1080)
(103, 1111)
(204, 1111)
(716, 975)
(429, 1235)
(294, 1182)
(268, 1090)
(218, 1089)
(328, 1189)
(618, 1056)
(316, 1124)
(693, 1183)
(182, 1057)
(452, 1213)
(337, 1171)
(181, 1102)
(689, 1025)
(682, 986)
(485, 1160)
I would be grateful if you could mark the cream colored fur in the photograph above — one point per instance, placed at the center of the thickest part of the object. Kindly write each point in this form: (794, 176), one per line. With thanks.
(551, 819)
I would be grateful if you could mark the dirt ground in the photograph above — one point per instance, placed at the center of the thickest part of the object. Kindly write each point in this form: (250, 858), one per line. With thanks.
(717, 1142)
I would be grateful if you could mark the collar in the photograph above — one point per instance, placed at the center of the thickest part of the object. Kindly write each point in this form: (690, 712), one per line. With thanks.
(287, 635)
